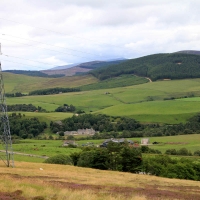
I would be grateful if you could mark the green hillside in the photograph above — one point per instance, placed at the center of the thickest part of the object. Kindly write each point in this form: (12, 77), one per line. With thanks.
(22, 83)
(120, 81)
(158, 66)
(145, 102)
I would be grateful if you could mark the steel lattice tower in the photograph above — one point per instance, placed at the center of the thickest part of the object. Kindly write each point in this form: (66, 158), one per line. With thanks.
(7, 153)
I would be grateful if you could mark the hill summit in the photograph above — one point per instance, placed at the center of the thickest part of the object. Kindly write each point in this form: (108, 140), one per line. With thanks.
(158, 66)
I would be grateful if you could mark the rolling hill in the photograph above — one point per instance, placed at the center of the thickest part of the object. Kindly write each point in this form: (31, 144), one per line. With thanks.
(145, 102)
(70, 70)
(24, 84)
(156, 67)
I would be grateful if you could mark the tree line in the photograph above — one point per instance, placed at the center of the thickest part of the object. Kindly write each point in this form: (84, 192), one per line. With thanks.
(53, 91)
(122, 127)
(101, 123)
(24, 107)
(17, 94)
(44, 92)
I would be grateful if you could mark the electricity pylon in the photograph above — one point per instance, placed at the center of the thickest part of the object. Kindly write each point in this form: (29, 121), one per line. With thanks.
(5, 136)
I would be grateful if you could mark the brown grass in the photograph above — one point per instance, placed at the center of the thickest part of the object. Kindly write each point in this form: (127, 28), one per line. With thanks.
(57, 182)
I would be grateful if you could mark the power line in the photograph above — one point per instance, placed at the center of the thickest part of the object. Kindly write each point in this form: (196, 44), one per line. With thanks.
(61, 33)
(29, 60)
(45, 48)
(49, 44)
(24, 64)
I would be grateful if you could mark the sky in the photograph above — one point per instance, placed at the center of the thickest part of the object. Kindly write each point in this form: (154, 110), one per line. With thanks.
(42, 34)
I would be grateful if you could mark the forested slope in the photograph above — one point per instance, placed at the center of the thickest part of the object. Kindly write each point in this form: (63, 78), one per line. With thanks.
(157, 66)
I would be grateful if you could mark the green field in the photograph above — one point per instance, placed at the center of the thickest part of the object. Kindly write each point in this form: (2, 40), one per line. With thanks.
(144, 102)
(42, 147)
(46, 117)
(53, 147)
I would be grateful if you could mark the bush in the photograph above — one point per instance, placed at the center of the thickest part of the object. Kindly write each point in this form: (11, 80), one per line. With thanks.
(94, 159)
(59, 159)
(197, 153)
(179, 170)
(184, 152)
(171, 152)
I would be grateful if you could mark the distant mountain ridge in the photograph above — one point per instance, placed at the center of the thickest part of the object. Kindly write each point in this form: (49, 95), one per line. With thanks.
(194, 52)
(34, 73)
(81, 67)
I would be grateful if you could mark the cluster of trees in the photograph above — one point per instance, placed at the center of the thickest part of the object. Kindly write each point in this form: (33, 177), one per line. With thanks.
(146, 149)
(34, 73)
(165, 166)
(53, 91)
(24, 107)
(23, 127)
(65, 108)
(158, 66)
(115, 157)
(17, 94)
(102, 123)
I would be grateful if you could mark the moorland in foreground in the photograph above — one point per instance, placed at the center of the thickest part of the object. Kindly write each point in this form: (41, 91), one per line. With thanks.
(56, 182)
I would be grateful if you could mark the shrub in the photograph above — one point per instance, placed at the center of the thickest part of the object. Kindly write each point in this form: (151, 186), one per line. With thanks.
(184, 152)
(59, 159)
(179, 170)
(94, 159)
(197, 153)
(171, 152)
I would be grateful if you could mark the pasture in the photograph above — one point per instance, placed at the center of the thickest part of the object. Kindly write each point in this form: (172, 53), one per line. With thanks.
(144, 102)
(46, 117)
(53, 147)
(43, 147)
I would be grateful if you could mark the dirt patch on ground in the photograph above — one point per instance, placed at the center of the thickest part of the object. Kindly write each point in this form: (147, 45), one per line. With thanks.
(17, 195)
(176, 143)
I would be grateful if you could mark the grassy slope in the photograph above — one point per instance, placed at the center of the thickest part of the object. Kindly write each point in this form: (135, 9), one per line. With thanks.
(47, 117)
(129, 101)
(120, 81)
(25, 84)
(75, 183)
